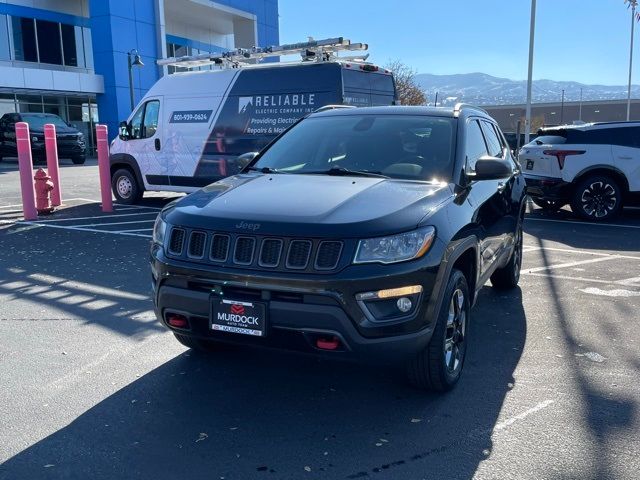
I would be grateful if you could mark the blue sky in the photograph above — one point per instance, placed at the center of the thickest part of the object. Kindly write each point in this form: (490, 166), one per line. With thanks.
(581, 40)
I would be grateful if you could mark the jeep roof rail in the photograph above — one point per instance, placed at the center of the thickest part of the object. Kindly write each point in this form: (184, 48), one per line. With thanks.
(310, 51)
(459, 106)
(332, 107)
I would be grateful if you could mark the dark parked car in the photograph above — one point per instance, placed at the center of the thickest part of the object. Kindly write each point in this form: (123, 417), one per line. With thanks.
(71, 142)
(359, 233)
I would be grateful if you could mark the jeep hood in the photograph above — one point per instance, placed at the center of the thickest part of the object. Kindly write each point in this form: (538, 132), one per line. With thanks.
(309, 205)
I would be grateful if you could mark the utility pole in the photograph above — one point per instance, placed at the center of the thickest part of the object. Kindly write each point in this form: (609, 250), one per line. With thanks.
(562, 109)
(634, 4)
(435, 104)
(532, 28)
(580, 111)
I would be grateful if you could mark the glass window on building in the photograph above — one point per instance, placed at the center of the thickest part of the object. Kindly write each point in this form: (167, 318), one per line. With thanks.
(88, 48)
(69, 45)
(5, 54)
(24, 39)
(49, 46)
(7, 104)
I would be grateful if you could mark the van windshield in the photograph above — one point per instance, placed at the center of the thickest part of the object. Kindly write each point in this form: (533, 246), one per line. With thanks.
(38, 121)
(397, 146)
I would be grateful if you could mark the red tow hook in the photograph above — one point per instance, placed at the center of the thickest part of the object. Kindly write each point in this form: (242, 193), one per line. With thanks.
(330, 343)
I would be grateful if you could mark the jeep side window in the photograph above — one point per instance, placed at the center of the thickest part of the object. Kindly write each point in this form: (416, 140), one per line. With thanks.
(150, 123)
(475, 145)
(493, 142)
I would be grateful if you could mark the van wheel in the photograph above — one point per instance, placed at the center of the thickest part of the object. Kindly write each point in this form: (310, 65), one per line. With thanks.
(597, 198)
(439, 366)
(125, 187)
(508, 276)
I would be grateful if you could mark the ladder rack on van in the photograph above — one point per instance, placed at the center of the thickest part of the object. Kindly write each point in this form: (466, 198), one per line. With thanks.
(311, 51)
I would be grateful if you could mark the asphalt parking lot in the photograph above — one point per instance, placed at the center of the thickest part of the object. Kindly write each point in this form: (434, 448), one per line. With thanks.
(94, 387)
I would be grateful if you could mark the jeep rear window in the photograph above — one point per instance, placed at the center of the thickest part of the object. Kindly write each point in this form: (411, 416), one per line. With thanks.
(398, 146)
(547, 140)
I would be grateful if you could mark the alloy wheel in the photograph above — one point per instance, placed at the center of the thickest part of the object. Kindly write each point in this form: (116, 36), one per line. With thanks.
(599, 199)
(455, 332)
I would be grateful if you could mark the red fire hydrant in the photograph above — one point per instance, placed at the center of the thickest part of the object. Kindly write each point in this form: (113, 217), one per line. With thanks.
(43, 187)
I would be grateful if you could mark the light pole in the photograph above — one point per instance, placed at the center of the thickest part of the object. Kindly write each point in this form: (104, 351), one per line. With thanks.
(137, 62)
(580, 113)
(532, 29)
(562, 109)
(633, 4)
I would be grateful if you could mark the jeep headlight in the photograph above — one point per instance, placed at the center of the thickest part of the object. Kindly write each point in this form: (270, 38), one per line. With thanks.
(159, 230)
(395, 248)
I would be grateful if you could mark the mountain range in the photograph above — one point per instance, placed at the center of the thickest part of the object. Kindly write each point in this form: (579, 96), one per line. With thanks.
(483, 89)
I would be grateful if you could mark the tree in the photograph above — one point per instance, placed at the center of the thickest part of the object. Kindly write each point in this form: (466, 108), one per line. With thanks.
(409, 92)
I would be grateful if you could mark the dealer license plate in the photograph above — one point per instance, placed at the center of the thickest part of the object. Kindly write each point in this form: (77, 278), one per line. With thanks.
(235, 316)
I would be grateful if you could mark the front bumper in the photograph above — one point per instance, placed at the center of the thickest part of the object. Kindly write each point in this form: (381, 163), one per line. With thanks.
(303, 308)
(548, 188)
(65, 150)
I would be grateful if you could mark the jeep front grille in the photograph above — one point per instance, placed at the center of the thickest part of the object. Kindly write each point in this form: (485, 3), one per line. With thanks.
(219, 247)
(298, 256)
(255, 251)
(196, 244)
(270, 252)
(176, 242)
(243, 253)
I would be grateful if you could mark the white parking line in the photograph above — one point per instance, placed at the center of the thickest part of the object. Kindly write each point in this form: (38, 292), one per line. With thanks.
(136, 230)
(95, 217)
(572, 264)
(577, 250)
(93, 230)
(521, 416)
(591, 224)
(113, 223)
(19, 205)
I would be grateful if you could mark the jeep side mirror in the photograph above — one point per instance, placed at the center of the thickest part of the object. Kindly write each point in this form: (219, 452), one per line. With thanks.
(245, 159)
(123, 130)
(492, 168)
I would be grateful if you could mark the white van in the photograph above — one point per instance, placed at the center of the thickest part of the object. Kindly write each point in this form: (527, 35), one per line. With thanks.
(190, 128)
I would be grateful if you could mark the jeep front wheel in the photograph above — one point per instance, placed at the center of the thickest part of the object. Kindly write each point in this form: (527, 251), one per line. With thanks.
(439, 365)
(597, 198)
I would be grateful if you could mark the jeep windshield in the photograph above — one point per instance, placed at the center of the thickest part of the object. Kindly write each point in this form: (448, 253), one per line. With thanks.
(415, 147)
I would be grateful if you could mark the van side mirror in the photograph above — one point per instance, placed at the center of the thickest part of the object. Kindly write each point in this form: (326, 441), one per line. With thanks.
(124, 131)
(492, 168)
(245, 159)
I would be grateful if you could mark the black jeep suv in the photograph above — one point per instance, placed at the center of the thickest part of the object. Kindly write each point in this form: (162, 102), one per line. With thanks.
(361, 233)
(70, 141)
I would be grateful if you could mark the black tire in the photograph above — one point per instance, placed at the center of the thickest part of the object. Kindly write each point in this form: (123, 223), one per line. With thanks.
(548, 205)
(195, 343)
(433, 369)
(597, 198)
(508, 276)
(125, 187)
(78, 160)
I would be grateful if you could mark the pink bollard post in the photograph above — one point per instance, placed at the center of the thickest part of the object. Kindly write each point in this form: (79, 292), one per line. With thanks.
(25, 164)
(103, 167)
(51, 146)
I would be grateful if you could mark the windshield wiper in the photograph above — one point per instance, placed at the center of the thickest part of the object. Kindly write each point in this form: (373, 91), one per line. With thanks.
(341, 171)
(265, 170)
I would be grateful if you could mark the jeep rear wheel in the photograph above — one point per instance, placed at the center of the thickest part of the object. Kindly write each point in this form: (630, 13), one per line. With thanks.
(597, 198)
(509, 275)
(439, 366)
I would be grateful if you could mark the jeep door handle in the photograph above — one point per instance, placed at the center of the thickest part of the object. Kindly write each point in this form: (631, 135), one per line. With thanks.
(625, 157)
(157, 144)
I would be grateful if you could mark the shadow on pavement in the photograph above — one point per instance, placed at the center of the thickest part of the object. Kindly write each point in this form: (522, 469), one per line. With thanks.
(245, 413)
(604, 415)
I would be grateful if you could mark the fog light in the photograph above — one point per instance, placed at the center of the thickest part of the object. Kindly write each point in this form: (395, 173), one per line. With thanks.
(404, 304)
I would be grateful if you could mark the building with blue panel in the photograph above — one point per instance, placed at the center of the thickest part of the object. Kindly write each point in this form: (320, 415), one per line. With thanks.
(69, 57)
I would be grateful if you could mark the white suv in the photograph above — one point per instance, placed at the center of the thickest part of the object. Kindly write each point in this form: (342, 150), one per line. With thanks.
(594, 167)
